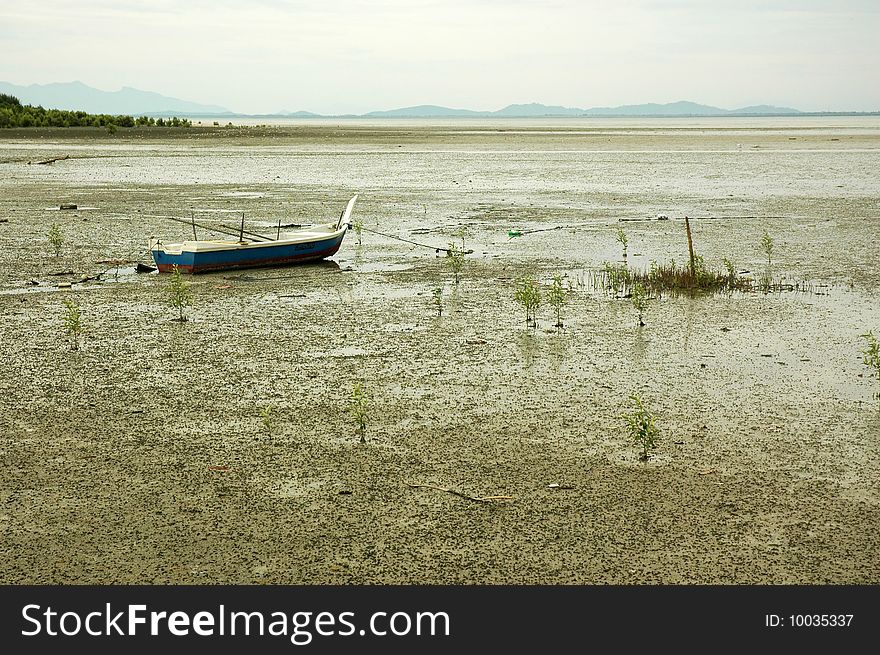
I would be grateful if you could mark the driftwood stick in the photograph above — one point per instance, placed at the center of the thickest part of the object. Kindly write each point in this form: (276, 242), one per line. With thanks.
(51, 161)
(477, 499)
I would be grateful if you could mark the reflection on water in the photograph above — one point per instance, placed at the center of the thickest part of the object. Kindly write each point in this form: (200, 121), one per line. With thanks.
(528, 346)
(558, 348)
(639, 344)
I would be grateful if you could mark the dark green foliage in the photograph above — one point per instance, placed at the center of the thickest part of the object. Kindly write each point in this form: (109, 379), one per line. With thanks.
(9, 101)
(14, 114)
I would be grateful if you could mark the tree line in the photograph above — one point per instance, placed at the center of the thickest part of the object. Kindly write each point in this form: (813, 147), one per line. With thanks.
(15, 114)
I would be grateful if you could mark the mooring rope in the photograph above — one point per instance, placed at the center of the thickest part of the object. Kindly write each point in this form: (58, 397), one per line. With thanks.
(415, 243)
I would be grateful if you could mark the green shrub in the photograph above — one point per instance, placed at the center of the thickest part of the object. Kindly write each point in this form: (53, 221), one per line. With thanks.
(358, 408)
(622, 240)
(178, 292)
(641, 427)
(556, 298)
(639, 301)
(56, 239)
(73, 323)
(528, 294)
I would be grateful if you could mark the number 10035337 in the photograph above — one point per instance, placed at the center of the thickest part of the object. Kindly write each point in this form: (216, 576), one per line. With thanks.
(820, 620)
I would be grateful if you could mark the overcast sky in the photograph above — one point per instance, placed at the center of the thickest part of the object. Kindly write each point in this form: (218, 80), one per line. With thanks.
(347, 56)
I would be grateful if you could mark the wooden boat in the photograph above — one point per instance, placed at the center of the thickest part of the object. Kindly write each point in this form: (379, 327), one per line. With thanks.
(308, 243)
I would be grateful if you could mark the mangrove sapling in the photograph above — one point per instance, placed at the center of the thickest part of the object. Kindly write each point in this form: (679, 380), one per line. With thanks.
(622, 240)
(731, 270)
(267, 420)
(640, 423)
(358, 226)
(73, 323)
(767, 247)
(872, 353)
(358, 408)
(639, 301)
(528, 294)
(178, 292)
(556, 298)
(56, 239)
(766, 280)
(437, 300)
(455, 259)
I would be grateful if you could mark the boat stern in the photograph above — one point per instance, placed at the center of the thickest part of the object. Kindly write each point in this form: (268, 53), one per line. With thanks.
(167, 258)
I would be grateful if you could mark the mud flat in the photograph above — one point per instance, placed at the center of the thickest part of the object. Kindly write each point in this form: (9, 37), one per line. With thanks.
(143, 457)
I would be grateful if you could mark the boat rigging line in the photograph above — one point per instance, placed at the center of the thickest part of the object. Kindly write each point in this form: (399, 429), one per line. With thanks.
(222, 229)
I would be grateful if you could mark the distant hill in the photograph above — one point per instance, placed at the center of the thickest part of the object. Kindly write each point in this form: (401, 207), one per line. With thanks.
(297, 114)
(80, 97)
(535, 109)
(425, 111)
(765, 109)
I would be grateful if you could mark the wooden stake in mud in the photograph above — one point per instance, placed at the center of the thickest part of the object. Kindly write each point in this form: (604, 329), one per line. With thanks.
(477, 499)
(193, 216)
(241, 231)
(278, 233)
(687, 226)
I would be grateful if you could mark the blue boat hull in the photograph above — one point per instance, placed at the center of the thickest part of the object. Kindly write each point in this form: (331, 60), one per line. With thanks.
(247, 256)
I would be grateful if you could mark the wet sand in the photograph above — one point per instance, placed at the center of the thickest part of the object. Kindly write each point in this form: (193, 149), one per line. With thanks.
(143, 457)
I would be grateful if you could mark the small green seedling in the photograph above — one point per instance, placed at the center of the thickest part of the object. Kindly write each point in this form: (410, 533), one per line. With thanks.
(556, 298)
(267, 420)
(56, 239)
(528, 294)
(358, 407)
(872, 353)
(178, 292)
(622, 240)
(639, 301)
(358, 226)
(455, 259)
(767, 246)
(640, 424)
(731, 269)
(73, 323)
(437, 300)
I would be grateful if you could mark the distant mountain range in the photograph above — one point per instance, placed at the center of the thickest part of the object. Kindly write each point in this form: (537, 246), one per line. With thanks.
(78, 96)
(536, 110)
